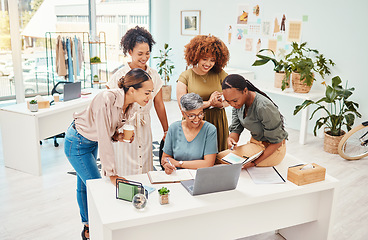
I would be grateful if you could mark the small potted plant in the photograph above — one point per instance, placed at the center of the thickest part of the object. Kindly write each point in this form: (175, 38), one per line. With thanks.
(165, 68)
(339, 112)
(303, 63)
(164, 195)
(33, 105)
(95, 78)
(281, 80)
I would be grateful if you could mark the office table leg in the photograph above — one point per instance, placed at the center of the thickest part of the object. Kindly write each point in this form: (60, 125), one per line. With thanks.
(304, 126)
(20, 138)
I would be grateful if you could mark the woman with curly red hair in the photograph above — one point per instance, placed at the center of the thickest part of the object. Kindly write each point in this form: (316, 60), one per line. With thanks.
(207, 55)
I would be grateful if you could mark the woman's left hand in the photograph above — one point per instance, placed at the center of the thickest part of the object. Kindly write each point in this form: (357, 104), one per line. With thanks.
(248, 165)
(113, 179)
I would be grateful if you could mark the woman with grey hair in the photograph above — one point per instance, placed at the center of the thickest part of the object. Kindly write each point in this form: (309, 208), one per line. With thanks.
(192, 142)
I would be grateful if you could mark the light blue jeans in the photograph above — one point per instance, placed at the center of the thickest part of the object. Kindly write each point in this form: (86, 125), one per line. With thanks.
(82, 154)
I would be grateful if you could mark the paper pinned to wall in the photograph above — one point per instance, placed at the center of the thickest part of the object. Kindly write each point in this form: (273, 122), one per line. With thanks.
(243, 14)
(249, 44)
(272, 44)
(295, 30)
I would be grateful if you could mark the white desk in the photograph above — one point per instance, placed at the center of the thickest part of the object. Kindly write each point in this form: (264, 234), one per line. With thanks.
(268, 88)
(299, 212)
(22, 130)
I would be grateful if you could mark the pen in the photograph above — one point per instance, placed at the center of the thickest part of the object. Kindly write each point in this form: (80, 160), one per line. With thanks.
(168, 160)
(232, 147)
(297, 165)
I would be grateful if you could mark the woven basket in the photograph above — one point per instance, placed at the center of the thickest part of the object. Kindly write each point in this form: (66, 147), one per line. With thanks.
(298, 85)
(331, 143)
(278, 79)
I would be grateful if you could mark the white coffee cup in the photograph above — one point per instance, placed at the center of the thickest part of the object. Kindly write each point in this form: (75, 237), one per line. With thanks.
(128, 131)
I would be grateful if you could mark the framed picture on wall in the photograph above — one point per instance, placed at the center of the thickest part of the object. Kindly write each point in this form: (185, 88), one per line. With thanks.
(190, 22)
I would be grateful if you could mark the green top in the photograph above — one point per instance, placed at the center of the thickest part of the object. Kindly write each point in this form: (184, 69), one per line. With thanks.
(263, 120)
(203, 85)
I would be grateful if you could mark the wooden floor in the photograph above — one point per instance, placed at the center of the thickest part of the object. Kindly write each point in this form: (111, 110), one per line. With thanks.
(45, 208)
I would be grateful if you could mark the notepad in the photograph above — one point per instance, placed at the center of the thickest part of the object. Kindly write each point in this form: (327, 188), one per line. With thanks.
(177, 176)
(234, 159)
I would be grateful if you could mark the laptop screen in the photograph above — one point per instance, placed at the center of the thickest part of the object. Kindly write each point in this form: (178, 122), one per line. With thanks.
(72, 91)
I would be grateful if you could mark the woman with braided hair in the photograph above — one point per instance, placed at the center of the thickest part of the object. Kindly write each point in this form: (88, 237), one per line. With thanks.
(255, 111)
(207, 55)
(138, 42)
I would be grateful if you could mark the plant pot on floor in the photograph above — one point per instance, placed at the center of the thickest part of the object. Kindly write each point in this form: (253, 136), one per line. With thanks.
(166, 93)
(331, 143)
(279, 76)
(299, 85)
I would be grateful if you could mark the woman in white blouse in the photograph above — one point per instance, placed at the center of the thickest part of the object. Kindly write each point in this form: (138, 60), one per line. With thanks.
(138, 43)
(95, 128)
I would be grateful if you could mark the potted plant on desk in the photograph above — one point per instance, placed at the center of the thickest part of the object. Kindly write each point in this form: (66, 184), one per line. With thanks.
(303, 63)
(164, 195)
(165, 68)
(281, 80)
(33, 105)
(340, 112)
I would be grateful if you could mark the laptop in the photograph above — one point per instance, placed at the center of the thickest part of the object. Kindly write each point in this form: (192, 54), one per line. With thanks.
(72, 91)
(218, 178)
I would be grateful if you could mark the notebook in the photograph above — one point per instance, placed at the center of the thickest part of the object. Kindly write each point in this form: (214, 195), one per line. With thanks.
(176, 176)
(234, 159)
(218, 178)
(72, 91)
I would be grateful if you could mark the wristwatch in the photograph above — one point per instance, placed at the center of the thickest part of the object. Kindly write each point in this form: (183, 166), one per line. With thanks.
(181, 164)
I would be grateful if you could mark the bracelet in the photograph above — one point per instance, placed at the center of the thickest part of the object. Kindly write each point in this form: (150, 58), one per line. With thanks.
(254, 162)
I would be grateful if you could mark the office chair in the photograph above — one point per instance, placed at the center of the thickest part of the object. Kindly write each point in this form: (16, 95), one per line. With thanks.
(58, 88)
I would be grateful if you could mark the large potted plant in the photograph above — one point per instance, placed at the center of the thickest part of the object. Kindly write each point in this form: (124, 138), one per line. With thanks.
(281, 80)
(165, 68)
(303, 64)
(339, 112)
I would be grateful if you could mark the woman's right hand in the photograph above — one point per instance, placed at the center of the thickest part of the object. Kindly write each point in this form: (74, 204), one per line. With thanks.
(231, 142)
(168, 167)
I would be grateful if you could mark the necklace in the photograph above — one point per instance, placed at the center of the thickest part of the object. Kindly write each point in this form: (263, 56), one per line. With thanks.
(204, 79)
(202, 76)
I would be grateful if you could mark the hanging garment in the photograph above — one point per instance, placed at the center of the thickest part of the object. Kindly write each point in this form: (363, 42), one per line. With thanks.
(60, 58)
(69, 48)
(75, 57)
(80, 54)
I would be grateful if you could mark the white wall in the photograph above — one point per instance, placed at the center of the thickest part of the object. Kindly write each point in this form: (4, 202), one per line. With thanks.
(336, 28)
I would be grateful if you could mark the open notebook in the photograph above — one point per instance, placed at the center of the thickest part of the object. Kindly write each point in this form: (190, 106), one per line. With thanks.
(234, 159)
(177, 176)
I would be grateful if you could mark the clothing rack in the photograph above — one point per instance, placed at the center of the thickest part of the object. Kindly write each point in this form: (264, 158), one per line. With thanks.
(49, 54)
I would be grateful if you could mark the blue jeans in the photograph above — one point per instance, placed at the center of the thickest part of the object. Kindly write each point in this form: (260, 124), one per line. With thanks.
(82, 154)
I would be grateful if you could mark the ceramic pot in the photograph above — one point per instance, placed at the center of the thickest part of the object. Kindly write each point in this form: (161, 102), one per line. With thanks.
(331, 143)
(33, 107)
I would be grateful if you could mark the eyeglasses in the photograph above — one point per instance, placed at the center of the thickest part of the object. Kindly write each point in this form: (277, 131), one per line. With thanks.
(193, 116)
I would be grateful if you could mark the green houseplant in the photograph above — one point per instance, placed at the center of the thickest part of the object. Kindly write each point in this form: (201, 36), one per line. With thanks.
(303, 63)
(164, 195)
(281, 80)
(165, 67)
(33, 105)
(339, 111)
